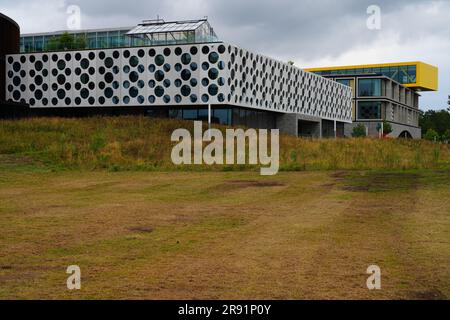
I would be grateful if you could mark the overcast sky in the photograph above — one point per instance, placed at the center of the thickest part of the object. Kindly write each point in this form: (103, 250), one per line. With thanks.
(312, 33)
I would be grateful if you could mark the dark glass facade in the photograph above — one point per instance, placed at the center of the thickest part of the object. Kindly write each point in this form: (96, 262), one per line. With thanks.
(369, 87)
(227, 116)
(369, 110)
(401, 74)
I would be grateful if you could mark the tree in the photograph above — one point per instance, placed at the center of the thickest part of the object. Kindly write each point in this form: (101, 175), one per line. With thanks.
(439, 121)
(66, 41)
(359, 131)
(387, 128)
(446, 136)
(431, 135)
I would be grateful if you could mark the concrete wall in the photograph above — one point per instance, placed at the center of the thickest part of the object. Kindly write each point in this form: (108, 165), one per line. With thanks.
(398, 129)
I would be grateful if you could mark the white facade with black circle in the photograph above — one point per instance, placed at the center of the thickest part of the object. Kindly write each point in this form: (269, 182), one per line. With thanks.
(178, 75)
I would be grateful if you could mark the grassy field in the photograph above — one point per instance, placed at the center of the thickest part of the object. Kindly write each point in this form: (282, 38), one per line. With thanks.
(225, 235)
(102, 193)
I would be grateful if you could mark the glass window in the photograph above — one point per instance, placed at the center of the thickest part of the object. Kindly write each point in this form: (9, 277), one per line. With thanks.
(345, 82)
(369, 87)
(412, 74)
(369, 110)
(190, 114)
(222, 116)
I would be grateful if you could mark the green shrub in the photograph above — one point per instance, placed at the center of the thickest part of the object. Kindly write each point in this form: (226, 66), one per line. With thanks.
(431, 135)
(359, 131)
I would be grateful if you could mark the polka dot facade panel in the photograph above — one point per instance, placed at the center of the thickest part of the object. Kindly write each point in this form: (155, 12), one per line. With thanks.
(200, 74)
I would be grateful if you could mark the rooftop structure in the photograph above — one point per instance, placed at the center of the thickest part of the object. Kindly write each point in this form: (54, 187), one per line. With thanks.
(148, 33)
(416, 75)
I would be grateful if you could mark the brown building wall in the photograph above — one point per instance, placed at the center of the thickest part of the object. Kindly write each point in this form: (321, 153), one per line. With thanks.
(9, 44)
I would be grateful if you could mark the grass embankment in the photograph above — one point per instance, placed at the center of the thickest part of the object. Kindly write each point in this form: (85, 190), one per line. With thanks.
(138, 143)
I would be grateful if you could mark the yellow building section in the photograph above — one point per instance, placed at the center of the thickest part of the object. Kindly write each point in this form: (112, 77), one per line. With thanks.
(417, 75)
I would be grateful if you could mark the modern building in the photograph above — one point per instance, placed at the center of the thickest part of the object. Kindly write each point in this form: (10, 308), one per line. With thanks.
(9, 40)
(385, 92)
(180, 69)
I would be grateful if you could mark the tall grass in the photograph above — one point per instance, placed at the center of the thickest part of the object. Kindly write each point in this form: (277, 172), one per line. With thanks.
(140, 143)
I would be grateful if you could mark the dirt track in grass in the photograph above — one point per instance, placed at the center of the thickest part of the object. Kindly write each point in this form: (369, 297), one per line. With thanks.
(224, 235)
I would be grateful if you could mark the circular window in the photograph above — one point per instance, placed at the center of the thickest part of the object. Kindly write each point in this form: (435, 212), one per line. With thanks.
(194, 66)
(205, 49)
(91, 56)
(141, 53)
(166, 83)
(221, 81)
(116, 54)
(84, 78)
(115, 100)
(126, 69)
(68, 72)
(102, 85)
(213, 73)
(159, 75)
(213, 57)
(84, 93)
(45, 101)
(185, 74)
(116, 70)
(166, 99)
(213, 89)
(61, 79)
(126, 54)
(141, 84)
(185, 90)
(205, 98)
(38, 94)
(39, 80)
(159, 91)
(126, 84)
(109, 77)
(221, 65)
(194, 51)
(54, 58)
(115, 85)
(178, 67)
(152, 68)
(221, 97)
(102, 55)
(178, 51)
(134, 61)
(159, 60)
(194, 98)
(109, 93)
(38, 65)
(91, 100)
(109, 62)
(151, 83)
(167, 67)
(205, 66)
(141, 99)
(78, 86)
(102, 100)
(178, 98)
(61, 94)
(78, 101)
(151, 52)
(134, 92)
(221, 49)
(16, 66)
(167, 52)
(54, 101)
(77, 71)
(186, 58)
(84, 63)
(134, 76)
(141, 68)
(205, 82)
(178, 83)
(126, 99)
(151, 99)
(194, 82)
